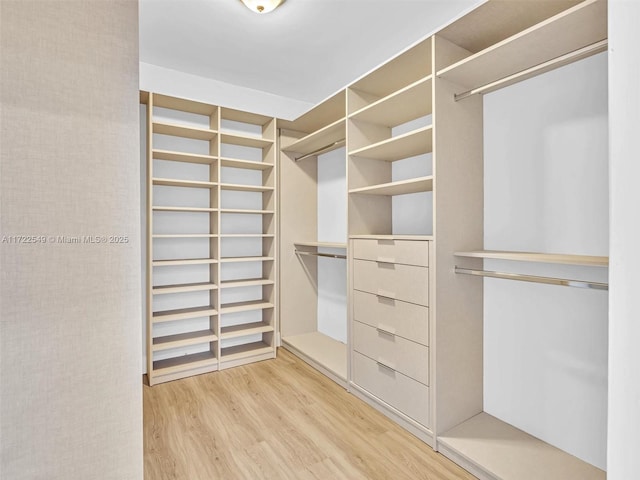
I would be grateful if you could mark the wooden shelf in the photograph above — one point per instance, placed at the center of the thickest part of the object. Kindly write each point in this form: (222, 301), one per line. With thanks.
(329, 111)
(251, 282)
(244, 351)
(184, 362)
(184, 209)
(185, 261)
(183, 157)
(245, 188)
(184, 131)
(410, 144)
(183, 340)
(414, 185)
(183, 314)
(559, 258)
(245, 329)
(186, 235)
(244, 140)
(182, 288)
(247, 235)
(321, 244)
(184, 105)
(245, 211)
(245, 306)
(499, 450)
(409, 103)
(577, 27)
(244, 117)
(321, 349)
(246, 164)
(328, 135)
(406, 68)
(170, 182)
(245, 259)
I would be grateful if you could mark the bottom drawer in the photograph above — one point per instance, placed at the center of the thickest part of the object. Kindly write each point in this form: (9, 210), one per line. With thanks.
(398, 390)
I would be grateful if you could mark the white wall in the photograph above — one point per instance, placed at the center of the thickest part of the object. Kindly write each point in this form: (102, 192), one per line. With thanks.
(179, 84)
(624, 309)
(71, 389)
(546, 177)
(332, 227)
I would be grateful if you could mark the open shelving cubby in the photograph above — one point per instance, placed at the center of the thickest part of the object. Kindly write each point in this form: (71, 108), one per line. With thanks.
(390, 143)
(197, 156)
(319, 131)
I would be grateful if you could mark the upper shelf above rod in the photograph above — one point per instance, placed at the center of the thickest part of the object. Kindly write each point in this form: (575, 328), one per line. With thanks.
(537, 257)
(557, 62)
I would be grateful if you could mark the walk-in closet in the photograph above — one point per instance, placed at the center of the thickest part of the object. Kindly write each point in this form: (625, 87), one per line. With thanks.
(310, 240)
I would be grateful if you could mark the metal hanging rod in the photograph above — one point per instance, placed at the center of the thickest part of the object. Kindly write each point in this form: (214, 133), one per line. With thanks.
(534, 279)
(326, 148)
(318, 254)
(583, 52)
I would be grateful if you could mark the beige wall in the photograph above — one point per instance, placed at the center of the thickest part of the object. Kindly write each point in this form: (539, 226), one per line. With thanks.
(70, 385)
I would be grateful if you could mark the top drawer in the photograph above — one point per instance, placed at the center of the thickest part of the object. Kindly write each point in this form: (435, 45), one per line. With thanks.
(409, 252)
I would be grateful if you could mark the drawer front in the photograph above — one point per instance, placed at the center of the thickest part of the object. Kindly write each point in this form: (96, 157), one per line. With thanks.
(409, 252)
(400, 282)
(404, 356)
(394, 388)
(400, 318)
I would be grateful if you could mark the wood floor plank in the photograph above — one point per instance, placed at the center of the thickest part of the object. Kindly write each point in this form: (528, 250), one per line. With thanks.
(277, 420)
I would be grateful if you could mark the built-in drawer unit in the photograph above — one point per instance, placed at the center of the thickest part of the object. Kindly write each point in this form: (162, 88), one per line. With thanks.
(397, 353)
(408, 252)
(401, 282)
(399, 391)
(403, 319)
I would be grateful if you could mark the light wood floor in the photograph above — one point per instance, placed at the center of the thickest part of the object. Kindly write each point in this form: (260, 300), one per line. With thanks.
(278, 420)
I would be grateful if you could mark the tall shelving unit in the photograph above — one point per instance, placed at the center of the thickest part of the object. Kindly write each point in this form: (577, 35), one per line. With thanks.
(192, 327)
(302, 141)
(390, 171)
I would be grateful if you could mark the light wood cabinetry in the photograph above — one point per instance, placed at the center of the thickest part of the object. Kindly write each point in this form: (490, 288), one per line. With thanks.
(196, 155)
(390, 364)
(302, 141)
(493, 46)
(416, 328)
(389, 121)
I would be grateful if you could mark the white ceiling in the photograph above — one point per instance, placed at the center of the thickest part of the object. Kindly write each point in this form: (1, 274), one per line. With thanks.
(304, 50)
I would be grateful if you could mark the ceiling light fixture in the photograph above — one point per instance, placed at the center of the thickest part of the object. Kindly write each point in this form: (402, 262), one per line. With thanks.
(262, 6)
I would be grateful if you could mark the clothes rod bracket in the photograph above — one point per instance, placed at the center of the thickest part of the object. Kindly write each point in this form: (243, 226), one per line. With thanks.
(534, 279)
(326, 148)
(583, 52)
(318, 254)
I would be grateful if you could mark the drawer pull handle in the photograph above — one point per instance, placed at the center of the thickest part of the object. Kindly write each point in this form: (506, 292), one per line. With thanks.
(380, 364)
(385, 332)
(386, 260)
(385, 294)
